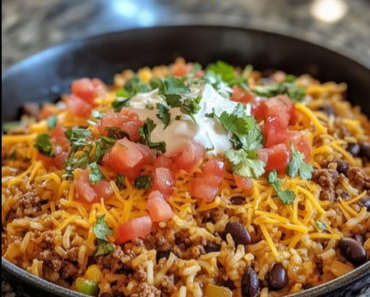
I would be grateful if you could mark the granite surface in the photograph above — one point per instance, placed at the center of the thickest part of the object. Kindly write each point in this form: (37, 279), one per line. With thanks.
(29, 26)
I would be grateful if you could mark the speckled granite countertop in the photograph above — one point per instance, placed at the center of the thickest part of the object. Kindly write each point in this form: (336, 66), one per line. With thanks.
(29, 26)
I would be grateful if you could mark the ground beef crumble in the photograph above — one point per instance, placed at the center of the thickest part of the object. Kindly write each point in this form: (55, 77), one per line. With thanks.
(29, 205)
(146, 290)
(328, 180)
(359, 178)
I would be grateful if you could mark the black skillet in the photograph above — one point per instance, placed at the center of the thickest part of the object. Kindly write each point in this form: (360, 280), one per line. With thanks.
(44, 76)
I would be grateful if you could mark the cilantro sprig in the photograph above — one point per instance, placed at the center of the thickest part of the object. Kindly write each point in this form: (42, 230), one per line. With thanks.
(164, 114)
(245, 163)
(95, 174)
(294, 92)
(143, 182)
(286, 196)
(298, 165)
(102, 231)
(190, 106)
(44, 146)
(171, 89)
(145, 132)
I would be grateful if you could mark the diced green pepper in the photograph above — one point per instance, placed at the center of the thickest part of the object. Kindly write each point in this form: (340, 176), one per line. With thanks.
(87, 287)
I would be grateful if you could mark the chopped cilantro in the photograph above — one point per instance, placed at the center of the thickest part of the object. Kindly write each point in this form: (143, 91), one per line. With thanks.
(150, 107)
(95, 175)
(223, 69)
(171, 90)
(191, 106)
(13, 155)
(178, 118)
(246, 133)
(321, 225)
(44, 145)
(78, 137)
(210, 149)
(215, 80)
(290, 78)
(297, 164)
(103, 145)
(120, 103)
(104, 248)
(155, 83)
(135, 85)
(52, 121)
(294, 92)
(101, 231)
(143, 182)
(73, 163)
(286, 196)
(145, 132)
(116, 133)
(245, 163)
(164, 114)
(120, 179)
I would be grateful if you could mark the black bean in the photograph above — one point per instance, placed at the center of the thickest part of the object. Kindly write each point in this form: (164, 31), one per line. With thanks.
(237, 200)
(163, 254)
(359, 238)
(106, 295)
(119, 294)
(238, 232)
(365, 202)
(354, 149)
(342, 166)
(327, 109)
(353, 250)
(250, 283)
(229, 284)
(277, 278)
(212, 247)
(365, 150)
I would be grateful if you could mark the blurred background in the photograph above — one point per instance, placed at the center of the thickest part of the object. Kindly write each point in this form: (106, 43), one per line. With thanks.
(29, 26)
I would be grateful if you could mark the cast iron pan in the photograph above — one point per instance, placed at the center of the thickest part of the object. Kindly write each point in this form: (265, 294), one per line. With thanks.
(46, 75)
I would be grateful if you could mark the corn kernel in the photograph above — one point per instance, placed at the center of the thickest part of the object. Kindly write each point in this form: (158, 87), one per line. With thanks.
(94, 273)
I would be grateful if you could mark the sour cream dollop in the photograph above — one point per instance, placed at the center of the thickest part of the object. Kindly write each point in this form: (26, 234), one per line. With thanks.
(206, 131)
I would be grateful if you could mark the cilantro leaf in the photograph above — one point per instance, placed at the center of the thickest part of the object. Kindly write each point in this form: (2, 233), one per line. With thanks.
(123, 98)
(104, 248)
(103, 145)
(143, 182)
(321, 225)
(171, 90)
(210, 149)
(294, 92)
(134, 85)
(78, 137)
(116, 133)
(150, 107)
(145, 132)
(52, 121)
(74, 163)
(191, 106)
(286, 196)
(101, 230)
(95, 175)
(120, 179)
(215, 80)
(164, 114)
(297, 164)
(44, 146)
(223, 69)
(155, 83)
(245, 163)
(246, 133)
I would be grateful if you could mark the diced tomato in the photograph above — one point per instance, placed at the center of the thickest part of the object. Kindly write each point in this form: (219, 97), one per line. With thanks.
(190, 155)
(276, 157)
(123, 157)
(58, 134)
(163, 161)
(138, 227)
(244, 183)
(181, 69)
(89, 193)
(275, 131)
(78, 107)
(126, 120)
(148, 154)
(159, 209)
(164, 181)
(259, 108)
(280, 106)
(199, 74)
(206, 186)
(103, 189)
(83, 188)
(240, 95)
(88, 89)
(58, 161)
(300, 142)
